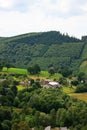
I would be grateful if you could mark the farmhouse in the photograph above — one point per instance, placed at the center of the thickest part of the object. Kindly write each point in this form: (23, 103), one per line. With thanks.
(49, 128)
(2, 80)
(63, 128)
(45, 81)
(52, 84)
(25, 84)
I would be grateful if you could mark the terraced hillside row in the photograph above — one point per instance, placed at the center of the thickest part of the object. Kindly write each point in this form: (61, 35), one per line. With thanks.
(46, 49)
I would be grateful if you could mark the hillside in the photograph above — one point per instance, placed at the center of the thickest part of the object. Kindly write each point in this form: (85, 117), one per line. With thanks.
(83, 67)
(44, 48)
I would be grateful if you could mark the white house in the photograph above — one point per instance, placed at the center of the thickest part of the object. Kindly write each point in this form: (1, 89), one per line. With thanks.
(52, 84)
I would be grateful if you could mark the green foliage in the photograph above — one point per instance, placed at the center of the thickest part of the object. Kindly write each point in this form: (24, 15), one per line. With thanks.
(84, 54)
(63, 81)
(40, 108)
(66, 72)
(83, 67)
(1, 66)
(75, 82)
(81, 76)
(51, 70)
(35, 69)
(81, 88)
(28, 49)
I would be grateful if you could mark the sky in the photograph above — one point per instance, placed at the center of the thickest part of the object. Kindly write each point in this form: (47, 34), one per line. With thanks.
(25, 16)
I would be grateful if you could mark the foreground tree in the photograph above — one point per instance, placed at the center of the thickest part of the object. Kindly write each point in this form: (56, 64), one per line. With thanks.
(81, 76)
(51, 70)
(1, 66)
(34, 69)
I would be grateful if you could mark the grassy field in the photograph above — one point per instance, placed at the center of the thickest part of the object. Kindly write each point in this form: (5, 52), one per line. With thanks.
(68, 90)
(47, 75)
(83, 67)
(71, 92)
(15, 70)
(42, 75)
(81, 96)
(20, 87)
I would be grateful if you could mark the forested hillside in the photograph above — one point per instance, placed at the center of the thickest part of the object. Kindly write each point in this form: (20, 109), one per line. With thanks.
(45, 48)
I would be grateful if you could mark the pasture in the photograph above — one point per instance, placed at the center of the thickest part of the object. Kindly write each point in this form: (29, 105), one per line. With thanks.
(83, 67)
(81, 96)
(42, 75)
(15, 70)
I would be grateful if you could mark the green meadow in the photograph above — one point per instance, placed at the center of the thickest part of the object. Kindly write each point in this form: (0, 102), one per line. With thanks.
(81, 96)
(15, 70)
(43, 74)
(83, 67)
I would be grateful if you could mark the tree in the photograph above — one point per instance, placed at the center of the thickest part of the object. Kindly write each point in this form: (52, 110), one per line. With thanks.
(74, 82)
(63, 81)
(60, 117)
(36, 85)
(31, 82)
(66, 72)
(1, 66)
(7, 65)
(34, 69)
(14, 89)
(51, 70)
(81, 88)
(53, 117)
(16, 102)
(37, 120)
(81, 76)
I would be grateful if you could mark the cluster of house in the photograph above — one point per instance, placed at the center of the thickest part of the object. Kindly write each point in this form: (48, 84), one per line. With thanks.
(49, 128)
(46, 83)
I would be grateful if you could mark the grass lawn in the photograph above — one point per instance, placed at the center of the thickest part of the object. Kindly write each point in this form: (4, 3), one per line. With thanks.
(68, 90)
(20, 87)
(43, 74)
(83, 67)
(47, 75)
(56, 76)
(15, 70)
(55, 128)
(81, 96)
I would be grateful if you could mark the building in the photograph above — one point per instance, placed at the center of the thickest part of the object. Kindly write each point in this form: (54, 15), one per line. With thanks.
(63, 128)
(52, 84)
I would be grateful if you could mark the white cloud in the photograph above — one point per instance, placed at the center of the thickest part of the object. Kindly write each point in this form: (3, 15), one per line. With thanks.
(6, 4)
(22, 16)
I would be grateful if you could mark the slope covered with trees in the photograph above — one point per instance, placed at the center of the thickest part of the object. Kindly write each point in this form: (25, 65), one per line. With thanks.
(44, 48)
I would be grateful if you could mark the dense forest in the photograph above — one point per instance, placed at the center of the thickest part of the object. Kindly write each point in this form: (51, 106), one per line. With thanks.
(45, 48)
(38, 107)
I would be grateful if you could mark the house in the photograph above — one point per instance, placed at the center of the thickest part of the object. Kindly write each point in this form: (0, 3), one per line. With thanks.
(86, 81)
(52, 84)
(25, 84)
(2, 80)
(63, 128)
(48, 128)
(45, 81)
